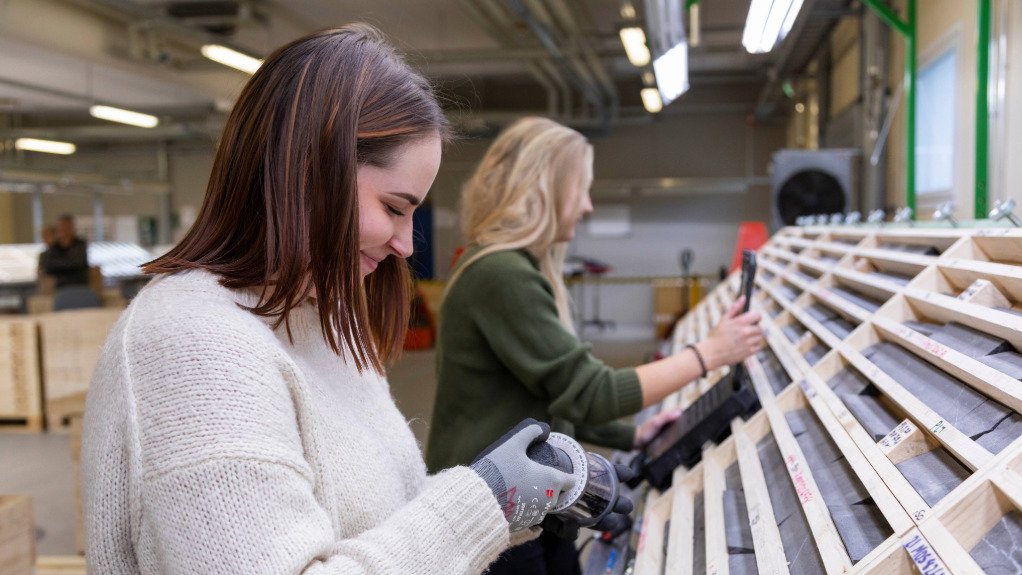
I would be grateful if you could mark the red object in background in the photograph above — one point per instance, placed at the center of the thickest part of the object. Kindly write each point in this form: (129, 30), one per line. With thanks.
(457, 255)
(421, 326)
(751, 236)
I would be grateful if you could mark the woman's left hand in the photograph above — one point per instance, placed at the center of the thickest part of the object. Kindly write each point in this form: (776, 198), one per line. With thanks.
(651, 428)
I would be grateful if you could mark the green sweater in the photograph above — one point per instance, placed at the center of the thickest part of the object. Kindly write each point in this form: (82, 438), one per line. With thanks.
(503, 355)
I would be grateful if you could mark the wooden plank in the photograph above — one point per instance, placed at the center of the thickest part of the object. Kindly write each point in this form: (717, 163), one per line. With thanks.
(944, 308)
(681, 537)
(966, 450)
(71, 342)
(839, 303)
(650, 555)
(978, 375)
(713, 501)
(17, 535)
(832, 550)
(766, 537)
(20, 378)
(893, 256)
(60, 565)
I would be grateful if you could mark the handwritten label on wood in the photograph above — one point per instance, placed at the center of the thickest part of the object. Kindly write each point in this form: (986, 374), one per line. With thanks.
(923, 555)
(897, 435)
(805, 494)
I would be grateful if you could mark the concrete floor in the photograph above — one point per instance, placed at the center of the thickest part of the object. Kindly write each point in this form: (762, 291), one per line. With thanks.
(39, 465)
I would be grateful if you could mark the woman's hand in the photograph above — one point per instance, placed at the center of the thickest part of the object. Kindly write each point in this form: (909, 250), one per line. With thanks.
(735, 338)
(652, 426)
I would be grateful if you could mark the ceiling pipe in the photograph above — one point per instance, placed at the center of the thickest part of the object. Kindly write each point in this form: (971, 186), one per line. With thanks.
(589, 92)
(548, 79)
(566, 17)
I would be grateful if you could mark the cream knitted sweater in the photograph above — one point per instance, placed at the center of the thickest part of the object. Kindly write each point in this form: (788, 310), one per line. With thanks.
(212, 444)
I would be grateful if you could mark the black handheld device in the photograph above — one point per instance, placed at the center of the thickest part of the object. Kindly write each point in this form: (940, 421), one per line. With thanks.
(708, 418)
(748, 277)
(744, 288)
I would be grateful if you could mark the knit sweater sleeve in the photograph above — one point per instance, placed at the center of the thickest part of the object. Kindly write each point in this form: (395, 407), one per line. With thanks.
(513, 307)
(226, 488)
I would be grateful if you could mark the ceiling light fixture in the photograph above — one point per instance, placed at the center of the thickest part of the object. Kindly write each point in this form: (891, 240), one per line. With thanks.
(768, 22)
(672, 73)
(124, 116)
(230, 57)
(634, 40)
(651, 100)
(46, 146)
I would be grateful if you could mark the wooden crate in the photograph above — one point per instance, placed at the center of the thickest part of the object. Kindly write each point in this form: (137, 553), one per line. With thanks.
(20, 389)
(975, 279)
(73, 409)
(60, 565)
(71, 342)
(17, 535)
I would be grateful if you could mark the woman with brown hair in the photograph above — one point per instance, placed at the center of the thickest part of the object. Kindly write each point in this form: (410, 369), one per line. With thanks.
(239, 420)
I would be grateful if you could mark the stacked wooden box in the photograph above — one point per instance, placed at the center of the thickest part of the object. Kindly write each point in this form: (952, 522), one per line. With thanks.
(860, 460)
(17, 536)
(45, 360)
(20, 393)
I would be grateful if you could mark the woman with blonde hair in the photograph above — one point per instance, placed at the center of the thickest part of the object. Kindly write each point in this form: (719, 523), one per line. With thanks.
(507, 348)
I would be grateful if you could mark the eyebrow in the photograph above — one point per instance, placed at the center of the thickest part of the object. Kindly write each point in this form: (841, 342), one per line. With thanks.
(407, 197)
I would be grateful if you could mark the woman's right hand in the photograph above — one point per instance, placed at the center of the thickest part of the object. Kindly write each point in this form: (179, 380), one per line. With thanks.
(735, 338)
(525, 489)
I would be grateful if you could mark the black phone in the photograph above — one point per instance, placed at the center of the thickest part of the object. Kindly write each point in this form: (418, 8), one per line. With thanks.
(738, 374)
(748, 277)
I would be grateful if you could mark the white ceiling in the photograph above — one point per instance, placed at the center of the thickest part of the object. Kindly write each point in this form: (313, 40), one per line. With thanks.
(58, 56)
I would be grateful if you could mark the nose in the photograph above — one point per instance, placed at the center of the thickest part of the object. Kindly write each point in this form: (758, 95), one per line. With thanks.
(587, 204)
(401, 242)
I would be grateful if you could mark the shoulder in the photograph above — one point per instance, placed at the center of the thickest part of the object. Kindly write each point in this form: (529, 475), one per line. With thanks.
(501, 269)
(191, 314)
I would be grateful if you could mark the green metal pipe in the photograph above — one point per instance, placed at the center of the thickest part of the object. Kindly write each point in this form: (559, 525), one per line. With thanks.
(982, 108)
(888, 16)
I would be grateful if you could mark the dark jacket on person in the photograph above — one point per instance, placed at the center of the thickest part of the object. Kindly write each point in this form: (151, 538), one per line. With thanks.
(503, 355)
(68, 265)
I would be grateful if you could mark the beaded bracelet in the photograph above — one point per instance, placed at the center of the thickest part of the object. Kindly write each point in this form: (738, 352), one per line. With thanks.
(699, 356)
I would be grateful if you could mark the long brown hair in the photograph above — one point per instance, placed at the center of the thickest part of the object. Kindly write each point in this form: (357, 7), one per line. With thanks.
(281, 207)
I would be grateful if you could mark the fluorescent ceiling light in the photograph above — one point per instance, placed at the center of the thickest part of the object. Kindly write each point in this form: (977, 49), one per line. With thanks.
(124, 116)
(634, 40)
(768, 22)
(232, 58)
(651, 100)
(47, 146)
(672, 73)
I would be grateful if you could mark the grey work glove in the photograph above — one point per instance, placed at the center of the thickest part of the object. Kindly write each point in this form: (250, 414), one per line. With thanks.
(526, 490)
(614, 523)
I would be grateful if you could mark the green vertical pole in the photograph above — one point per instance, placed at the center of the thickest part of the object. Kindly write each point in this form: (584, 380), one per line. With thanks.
(982, 108)
(910, 108)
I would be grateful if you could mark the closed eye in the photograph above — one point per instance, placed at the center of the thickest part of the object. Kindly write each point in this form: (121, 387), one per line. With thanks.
(394, 210)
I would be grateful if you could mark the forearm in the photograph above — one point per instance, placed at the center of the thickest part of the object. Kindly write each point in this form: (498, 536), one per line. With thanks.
(663, 377)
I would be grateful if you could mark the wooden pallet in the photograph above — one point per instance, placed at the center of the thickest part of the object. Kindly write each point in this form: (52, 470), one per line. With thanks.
(71, 342)
(20, 384)
(17, 535)
(976, 274)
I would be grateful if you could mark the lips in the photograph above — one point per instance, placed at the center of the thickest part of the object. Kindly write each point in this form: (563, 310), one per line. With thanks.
(368, 264)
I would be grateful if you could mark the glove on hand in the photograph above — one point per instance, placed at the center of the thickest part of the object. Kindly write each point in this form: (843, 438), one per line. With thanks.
(526, 490)
(615, 522)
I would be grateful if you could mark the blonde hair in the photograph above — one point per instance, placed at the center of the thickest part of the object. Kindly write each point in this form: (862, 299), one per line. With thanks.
(516, 196)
